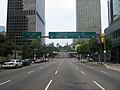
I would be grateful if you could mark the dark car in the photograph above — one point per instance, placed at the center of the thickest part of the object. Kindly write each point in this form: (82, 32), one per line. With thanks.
(26, 62)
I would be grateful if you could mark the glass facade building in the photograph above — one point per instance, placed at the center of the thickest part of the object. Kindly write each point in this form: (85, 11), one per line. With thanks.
(88, 16)
(116, 9)
(25, 16)
(114, 28)
(113, 10)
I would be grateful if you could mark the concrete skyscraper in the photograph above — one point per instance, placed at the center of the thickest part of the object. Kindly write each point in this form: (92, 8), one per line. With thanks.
(25, 16)
(88, 16)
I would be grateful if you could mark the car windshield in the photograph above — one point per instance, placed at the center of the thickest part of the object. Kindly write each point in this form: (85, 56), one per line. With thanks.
(12, 60)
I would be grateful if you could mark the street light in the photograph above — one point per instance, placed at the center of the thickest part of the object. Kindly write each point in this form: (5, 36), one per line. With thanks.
(102, 40)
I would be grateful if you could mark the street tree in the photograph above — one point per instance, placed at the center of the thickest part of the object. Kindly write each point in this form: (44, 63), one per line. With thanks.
(6, 46)
(83, 48)
(31, 49)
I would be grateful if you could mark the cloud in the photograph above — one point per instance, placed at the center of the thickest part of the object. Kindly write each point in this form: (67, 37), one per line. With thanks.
(60, 16)
(104, 14)
(3, 12)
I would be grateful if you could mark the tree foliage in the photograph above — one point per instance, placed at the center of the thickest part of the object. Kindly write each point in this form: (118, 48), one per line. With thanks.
(108, 44)
(83, 48)
(6, 46)
(92, 46)
(29, 49)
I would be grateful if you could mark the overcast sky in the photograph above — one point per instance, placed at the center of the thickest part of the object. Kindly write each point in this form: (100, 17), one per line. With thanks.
(60, 16)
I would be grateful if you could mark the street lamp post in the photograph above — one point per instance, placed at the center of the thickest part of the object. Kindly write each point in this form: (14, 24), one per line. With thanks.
(98, 36)
(102, 40)
(15, 48)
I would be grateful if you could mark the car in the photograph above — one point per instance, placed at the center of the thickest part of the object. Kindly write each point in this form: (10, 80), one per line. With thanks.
(38, 60)
(25, 62)
(12, 63)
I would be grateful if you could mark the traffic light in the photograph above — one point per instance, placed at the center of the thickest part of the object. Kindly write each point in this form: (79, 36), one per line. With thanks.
(102, 38)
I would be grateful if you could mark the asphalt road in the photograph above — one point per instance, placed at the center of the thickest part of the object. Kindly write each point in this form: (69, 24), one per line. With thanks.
(60, 74)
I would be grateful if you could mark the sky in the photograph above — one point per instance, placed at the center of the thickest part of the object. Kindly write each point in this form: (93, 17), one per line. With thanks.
(60, 16)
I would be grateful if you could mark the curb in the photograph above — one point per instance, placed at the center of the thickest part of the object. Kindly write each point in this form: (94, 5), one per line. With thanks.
(112, 68)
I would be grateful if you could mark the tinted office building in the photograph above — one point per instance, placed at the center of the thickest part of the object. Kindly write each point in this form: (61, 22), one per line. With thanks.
(25, 16)
(114, 28)
(88, 16)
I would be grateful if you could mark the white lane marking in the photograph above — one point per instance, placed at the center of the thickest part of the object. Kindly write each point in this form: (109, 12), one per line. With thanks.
(48, 85)
(104, 72)
(58, 67)
(76, 67)
(82, 72)
(5, 82)
(30, 72)
(99, 85)
(56, 72)
(41, 67)
(91, 67)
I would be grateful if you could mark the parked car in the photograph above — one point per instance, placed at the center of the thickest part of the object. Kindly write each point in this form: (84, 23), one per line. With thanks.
(25, 62)
(38, 60)
(12, 63)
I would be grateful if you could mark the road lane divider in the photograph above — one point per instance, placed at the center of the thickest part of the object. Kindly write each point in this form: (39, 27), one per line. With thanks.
(48, 85)
(76, 67)
(41, 67)
(83, 72)
(99, 85)
(5, 82)
(104, 72)
(56, 72)
(91, 67)
(30, 72)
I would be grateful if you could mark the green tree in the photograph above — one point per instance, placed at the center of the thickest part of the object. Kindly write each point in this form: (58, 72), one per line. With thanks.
(50, 48)
(6, 46)
(83, 48)
(31, 49)
(108, 44)
(93, 46)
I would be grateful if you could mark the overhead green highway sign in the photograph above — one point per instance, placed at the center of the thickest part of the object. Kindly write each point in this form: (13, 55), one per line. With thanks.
(32, 35)
(71, 35)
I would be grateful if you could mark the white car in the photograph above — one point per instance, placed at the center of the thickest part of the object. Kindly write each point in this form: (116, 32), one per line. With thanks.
(38, 60)
(12, 63)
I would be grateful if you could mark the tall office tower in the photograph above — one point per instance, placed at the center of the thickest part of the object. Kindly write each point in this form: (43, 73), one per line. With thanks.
(25, 16)
(88, 16)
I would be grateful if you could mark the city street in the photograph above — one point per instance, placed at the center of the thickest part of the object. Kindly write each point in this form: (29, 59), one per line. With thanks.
(60, 74)
(60, 45)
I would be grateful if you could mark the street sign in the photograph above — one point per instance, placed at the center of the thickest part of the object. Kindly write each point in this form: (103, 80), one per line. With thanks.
(71, 35)
(32, 35)
(98, 39)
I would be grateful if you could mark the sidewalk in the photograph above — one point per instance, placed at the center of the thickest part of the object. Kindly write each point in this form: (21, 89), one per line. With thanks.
(111, 66)
(115, 67)
(1, 69)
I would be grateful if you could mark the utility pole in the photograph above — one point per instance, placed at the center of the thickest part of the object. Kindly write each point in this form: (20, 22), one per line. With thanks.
(15, 48)
(104, 49)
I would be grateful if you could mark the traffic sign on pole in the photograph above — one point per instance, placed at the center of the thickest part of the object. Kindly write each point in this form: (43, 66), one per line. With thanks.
(71, 35)
(32, 35)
